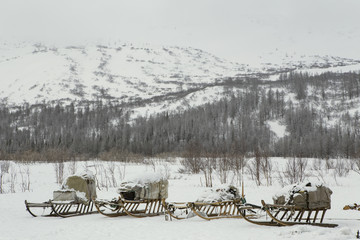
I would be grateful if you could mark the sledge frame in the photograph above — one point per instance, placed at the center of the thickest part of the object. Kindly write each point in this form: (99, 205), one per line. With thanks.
(206, 210)
(61, 209)
(290, 215)
(134, 208)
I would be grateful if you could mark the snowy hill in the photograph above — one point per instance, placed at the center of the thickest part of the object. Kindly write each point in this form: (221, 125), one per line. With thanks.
(123, 72)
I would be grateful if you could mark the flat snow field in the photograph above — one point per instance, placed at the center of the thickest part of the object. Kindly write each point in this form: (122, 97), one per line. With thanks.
(17, 223)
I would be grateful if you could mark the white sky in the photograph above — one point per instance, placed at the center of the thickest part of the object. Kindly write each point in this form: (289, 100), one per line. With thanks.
(234, 29)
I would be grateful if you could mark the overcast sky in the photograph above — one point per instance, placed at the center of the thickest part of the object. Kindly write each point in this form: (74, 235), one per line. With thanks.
(234, 29)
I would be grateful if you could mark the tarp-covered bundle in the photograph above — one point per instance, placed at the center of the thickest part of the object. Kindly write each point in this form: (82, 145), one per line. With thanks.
(219, 195)
(79, 188)
(305, 195)
(149, 188)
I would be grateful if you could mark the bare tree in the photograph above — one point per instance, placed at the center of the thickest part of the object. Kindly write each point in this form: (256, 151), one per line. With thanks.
(121, 170)
(151, 162)
(102, 177)
(167, 171)
(72, 167)
(266, 168)
(222, 168)
(238, 164)
(295, 170)
(317, 167)
(97, 173)
(4, 168)
(25, 179)
(357, 165)
(192, 161)
(207, 168)
(254, 168)
(59, 171)
(111, 171)
(342, 167)
(13, 177)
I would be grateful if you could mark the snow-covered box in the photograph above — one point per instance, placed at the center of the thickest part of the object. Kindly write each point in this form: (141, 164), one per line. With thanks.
(307, 195)
(145, 189)
(227, 193)
(79, 188)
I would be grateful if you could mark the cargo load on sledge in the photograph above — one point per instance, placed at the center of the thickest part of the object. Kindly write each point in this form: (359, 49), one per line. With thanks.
(307, 195)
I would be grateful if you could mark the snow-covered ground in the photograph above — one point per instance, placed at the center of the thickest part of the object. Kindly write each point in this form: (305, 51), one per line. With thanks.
(16, 223)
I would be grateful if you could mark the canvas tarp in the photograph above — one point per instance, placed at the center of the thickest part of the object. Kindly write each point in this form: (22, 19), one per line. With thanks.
(141, 191)
(77, 188)
(308, 195)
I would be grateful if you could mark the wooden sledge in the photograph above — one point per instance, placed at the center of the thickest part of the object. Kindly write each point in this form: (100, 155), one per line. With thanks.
(134, 208)
(60, 209)
(290, 215)
(73, 199)
(207, 210)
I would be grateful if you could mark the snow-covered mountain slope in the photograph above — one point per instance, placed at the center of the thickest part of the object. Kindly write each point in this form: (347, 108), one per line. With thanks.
(123, 72)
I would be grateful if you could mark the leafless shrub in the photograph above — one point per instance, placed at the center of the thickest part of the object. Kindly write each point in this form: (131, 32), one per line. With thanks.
(55, 155)
(113, 155)
(121, 171)
(135, 158)
(192, 161)
(72, 167)
(111, 171)
(167, 157)
(4, 168)
(281, 179)
(329, 164)
(238, 164)
(25, 179)
(207, 168)
(357, 165)
(13, 177)
(302, 165)
(167, 171)
(59, 171)
(151, 162)
(3, 155)
(97, 172)
(342, 167)
(102, 177)
(266, 168)
(121, 156)
(317, 167)
(254, 168)
(222, 168)
(295, 170)
(291, 172)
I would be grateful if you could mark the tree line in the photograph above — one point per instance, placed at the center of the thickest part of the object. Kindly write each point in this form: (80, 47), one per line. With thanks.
(317, 111)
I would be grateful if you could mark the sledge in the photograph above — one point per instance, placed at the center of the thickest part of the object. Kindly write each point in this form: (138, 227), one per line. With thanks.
(60, 209)
(303, 205)
(136, 199)
(73, 199)
(135, 208)
(222, 204)
(292, 215)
